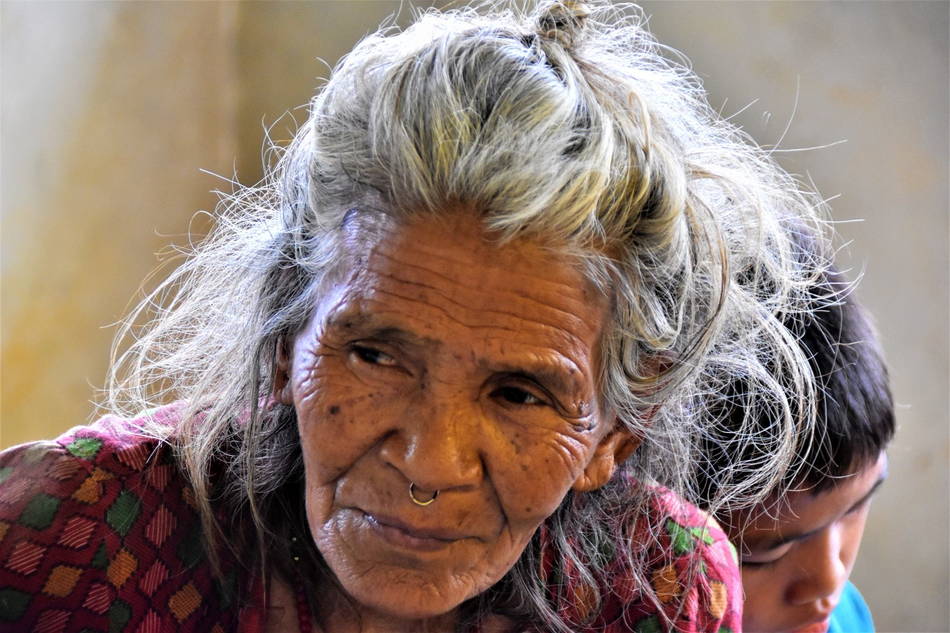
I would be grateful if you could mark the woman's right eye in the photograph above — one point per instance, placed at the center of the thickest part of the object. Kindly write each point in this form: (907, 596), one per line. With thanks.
(515, 395)
(373, 356)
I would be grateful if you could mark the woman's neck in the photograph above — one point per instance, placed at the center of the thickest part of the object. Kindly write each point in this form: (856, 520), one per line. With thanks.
(337, 614)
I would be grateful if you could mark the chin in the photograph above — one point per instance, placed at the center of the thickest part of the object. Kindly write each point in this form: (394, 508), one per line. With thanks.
(766, 626)
(407, 595)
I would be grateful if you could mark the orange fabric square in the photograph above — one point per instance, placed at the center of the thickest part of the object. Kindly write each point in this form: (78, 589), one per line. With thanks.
(62, 580)
(91, 489)
(666, 583)
(121, 567)
(184, 602)
(718, 600)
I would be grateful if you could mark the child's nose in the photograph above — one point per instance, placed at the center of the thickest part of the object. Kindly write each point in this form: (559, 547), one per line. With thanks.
(823, 572)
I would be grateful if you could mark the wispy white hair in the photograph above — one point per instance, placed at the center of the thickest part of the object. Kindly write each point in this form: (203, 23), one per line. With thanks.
(568, 124)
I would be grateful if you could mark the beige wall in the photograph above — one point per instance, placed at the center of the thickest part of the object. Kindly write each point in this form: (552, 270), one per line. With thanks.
(875, 75)
(109, 110)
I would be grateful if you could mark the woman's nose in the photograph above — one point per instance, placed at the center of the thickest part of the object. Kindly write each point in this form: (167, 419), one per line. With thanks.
(823, 572)
(436, 446)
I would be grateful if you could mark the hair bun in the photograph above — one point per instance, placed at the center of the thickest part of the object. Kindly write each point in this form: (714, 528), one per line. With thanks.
(563, 21)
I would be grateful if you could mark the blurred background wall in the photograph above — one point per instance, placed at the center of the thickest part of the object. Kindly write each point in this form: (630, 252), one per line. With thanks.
(109, 110)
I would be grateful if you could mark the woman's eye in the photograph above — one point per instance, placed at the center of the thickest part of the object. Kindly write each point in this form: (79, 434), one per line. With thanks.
(514, 395)
(373, 356)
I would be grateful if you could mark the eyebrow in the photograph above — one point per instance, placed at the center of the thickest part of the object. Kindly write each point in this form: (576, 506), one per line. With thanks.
(791, 538)
(370, 327)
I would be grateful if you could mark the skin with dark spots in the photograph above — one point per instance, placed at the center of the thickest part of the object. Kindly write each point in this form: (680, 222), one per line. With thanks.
(461, 366)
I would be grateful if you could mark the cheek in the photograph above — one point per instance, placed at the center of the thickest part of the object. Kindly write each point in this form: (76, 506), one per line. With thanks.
(851, 537)
(336, 420)
(536, 471)
(762, 608)
(336, 431)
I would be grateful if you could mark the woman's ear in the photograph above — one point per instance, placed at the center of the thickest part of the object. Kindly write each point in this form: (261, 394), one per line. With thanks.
(283, 392)
(612, 451)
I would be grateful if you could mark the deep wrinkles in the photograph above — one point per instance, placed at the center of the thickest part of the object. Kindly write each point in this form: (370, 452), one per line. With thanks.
(556, 290)
(385, 251)
(510, 315)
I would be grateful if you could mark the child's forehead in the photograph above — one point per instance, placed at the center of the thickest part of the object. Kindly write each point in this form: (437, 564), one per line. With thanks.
(802, 511)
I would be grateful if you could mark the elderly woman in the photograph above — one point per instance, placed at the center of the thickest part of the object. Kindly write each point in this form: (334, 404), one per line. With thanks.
(428, 376)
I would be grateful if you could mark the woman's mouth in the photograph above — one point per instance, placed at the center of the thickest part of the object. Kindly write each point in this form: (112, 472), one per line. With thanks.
(403, 535)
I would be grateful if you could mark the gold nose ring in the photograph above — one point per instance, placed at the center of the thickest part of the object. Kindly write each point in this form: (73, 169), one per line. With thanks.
(412, 496)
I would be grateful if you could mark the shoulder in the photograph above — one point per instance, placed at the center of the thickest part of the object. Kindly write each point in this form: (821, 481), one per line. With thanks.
(42, 479)
(691, 567)
(78, 470)
(852, 614)
(95, 528)
(706, 563)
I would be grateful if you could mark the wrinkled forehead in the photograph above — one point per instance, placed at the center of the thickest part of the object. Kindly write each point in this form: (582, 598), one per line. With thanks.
(526, 254)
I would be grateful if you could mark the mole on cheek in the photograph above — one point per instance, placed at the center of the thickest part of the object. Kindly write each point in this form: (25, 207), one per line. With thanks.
(334, 409)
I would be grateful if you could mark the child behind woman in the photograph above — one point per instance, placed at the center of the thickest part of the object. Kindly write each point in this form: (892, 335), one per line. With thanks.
(797, 548)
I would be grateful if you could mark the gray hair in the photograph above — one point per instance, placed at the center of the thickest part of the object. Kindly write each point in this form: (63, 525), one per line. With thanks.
(568, 123)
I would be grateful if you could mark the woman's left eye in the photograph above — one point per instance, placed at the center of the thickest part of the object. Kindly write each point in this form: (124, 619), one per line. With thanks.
(373, 356)
(515, 395)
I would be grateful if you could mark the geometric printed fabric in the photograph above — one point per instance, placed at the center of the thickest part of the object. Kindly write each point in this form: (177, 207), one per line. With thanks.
(98, 534)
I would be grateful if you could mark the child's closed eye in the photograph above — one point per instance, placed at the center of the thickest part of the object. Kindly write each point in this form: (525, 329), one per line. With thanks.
(759, 564)
(764, 558)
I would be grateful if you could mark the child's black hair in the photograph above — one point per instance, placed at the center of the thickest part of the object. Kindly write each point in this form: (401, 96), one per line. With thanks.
(854, 408)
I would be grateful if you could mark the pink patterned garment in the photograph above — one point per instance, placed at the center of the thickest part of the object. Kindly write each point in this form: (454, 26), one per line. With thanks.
(99, 533)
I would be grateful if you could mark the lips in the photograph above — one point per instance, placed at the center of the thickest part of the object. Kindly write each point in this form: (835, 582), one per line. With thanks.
(820, 617)
(408, 536)
(817, 627)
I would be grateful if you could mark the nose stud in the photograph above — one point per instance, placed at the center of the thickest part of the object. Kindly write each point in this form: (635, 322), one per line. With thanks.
(415, 500)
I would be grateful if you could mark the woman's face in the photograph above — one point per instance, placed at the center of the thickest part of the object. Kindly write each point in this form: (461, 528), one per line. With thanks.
(458, 366)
